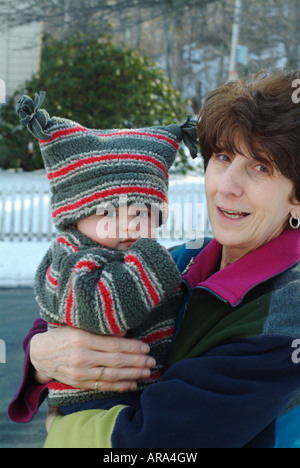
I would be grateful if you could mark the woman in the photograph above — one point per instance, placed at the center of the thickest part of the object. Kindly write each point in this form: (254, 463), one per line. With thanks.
(231, 373)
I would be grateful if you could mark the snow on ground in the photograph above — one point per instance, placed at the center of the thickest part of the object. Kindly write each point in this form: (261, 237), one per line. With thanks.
(19, 260)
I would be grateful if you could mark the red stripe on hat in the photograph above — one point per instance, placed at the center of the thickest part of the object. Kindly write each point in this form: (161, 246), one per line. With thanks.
(139, 133)
(109, 193)
(149, 286)
(108, 307)
(62, 133)
(108, 157)
(70, 131)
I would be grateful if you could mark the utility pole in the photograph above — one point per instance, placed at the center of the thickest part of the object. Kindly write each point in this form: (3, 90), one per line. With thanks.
(232, 75)
(67, 18)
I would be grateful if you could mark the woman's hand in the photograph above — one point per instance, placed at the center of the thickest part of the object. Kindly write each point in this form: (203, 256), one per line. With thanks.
(87, 361)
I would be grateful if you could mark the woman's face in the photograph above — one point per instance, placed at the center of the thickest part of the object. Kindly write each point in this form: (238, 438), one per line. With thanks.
(249, 202)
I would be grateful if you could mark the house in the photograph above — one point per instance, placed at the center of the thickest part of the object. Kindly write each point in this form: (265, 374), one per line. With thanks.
(20, 51)
(2, 91)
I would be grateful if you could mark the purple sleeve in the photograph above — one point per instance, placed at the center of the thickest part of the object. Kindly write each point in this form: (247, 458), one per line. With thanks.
(30, 395)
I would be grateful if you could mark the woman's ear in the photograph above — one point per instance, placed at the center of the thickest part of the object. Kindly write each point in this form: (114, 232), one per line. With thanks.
(295, 211)
(295, 203)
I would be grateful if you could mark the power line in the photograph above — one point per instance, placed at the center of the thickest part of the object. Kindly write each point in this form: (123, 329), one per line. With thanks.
(232, 75)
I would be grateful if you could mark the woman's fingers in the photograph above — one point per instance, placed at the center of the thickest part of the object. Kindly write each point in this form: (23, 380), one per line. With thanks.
(121, 360)
(116, 344)
(117, 380)
(108, 374)
(76, 357)
(120, 370)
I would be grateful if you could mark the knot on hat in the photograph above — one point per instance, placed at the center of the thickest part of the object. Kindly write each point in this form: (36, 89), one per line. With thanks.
(189, 136)
(32, 117)
(187, 133)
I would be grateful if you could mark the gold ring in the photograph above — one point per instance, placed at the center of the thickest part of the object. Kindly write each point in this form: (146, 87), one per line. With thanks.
(102, 369)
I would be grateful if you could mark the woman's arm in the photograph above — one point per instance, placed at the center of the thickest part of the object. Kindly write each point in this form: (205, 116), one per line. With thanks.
(229, 398)
(75, 357)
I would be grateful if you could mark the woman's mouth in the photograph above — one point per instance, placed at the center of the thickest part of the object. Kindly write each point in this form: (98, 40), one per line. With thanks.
(233, 214)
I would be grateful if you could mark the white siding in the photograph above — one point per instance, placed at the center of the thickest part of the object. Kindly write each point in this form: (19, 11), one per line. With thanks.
(20, 49)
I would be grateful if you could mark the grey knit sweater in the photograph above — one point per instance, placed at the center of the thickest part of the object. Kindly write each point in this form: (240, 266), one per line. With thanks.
(105, 291)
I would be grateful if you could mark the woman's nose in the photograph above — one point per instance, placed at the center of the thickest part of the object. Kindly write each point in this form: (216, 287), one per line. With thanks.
(231, 180)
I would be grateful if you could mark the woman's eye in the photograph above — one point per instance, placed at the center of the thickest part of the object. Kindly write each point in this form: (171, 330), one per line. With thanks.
(262, 168)
(223, 157)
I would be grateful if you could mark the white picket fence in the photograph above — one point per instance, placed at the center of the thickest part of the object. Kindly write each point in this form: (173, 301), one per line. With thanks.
(25, 213)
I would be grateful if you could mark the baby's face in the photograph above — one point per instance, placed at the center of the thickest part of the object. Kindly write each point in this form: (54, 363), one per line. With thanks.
(119, 228)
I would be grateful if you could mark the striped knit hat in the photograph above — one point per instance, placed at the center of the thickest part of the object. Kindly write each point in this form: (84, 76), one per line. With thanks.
(88, 167)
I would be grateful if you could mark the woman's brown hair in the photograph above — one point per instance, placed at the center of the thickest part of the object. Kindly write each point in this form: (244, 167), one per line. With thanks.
(260, 111)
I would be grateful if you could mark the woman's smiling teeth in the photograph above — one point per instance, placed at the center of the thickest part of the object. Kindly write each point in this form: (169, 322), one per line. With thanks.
(234, 214)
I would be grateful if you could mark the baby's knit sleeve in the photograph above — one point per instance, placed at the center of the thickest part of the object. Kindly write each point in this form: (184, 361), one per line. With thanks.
(108, 296)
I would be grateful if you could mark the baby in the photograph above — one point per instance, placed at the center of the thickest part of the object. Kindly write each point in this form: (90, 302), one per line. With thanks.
(105, 272)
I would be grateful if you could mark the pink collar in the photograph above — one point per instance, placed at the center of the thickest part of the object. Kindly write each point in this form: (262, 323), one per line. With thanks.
(234, 281)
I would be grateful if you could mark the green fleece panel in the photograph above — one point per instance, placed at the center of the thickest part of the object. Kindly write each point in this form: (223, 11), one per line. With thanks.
(70, 431)
(217, 322)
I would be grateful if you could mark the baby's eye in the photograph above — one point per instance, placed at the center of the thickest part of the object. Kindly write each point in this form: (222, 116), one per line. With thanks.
(110, 213)
(142, 214)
